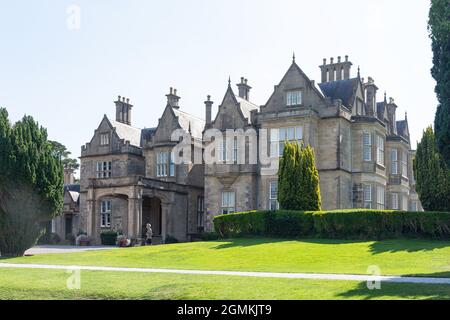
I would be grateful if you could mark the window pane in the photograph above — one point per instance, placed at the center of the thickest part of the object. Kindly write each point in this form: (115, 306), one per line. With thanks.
(291, 134)
(299, 133)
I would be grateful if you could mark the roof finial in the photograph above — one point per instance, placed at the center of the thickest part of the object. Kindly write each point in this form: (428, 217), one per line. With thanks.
(406, 115)
(293, 57)
(385, 99)
(229, 81)
(359, 72)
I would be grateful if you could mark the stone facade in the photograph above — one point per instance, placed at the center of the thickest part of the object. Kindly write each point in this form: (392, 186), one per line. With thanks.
(129, 176)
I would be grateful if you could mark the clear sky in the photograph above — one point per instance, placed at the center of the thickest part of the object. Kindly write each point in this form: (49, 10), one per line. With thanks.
(68, 77)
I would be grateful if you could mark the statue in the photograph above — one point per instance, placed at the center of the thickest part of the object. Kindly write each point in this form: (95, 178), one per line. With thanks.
(149, 234)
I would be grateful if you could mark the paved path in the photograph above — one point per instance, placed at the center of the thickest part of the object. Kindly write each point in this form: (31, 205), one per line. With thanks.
(340, 277)
(63, 249)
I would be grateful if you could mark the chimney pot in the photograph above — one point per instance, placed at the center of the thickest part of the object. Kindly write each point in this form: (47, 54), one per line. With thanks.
(242, 79)
(175, 91)
(128, 100)
(171, 90)
(119, 98)
(339, 59)
(324, 61)
(332, 60)
(346, 58)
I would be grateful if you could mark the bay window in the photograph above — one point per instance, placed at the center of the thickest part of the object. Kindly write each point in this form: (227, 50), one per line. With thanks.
(273, 196)
(367, 146)
(279, 136)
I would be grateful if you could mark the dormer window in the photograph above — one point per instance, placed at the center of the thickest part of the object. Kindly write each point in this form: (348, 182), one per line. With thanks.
(294, 98)
(104, 139)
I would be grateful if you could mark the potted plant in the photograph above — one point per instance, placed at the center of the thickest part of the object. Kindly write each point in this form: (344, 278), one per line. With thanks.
(82, 240)
(123, 241)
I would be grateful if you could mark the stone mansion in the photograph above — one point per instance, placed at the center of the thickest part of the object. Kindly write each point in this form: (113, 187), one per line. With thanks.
(128, 177)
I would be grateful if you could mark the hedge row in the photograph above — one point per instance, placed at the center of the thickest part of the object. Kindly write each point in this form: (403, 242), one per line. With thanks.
(343, 224)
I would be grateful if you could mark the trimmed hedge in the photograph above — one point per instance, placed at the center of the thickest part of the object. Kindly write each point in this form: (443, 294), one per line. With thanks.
(342, 224)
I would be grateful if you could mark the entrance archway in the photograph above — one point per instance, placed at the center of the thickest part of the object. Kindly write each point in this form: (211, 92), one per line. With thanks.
(152, 213)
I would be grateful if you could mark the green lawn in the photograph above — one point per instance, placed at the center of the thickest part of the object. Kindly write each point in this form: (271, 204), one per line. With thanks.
(51, 284)
(396, 257)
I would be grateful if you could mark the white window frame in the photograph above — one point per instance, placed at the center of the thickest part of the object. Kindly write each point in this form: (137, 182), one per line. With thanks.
(394, 161)
(381, 198)
(171, 164)
(104, 139)
(380, 150)
(228, 202)
(273, 196)
(165, 166)
(367, 146)
(105, 210)
(395, 201)
(104, 169)
(367, 195)
(404, 161)
(294, 98)
(405, 202)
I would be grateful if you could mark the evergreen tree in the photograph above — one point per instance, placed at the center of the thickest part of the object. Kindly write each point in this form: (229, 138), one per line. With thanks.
(62, 153)
(298, 179)
(439, 28)
(432, 176)
(31, 184)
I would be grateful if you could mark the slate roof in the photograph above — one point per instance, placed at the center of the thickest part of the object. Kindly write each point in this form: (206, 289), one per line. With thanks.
(380, 110)
(74, 191)
(190, 123)
(341, 89)
(128, 133)
(401, 128)
(246, 107)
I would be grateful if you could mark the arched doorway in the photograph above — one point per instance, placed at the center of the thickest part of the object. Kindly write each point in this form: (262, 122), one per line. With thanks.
(152, 213)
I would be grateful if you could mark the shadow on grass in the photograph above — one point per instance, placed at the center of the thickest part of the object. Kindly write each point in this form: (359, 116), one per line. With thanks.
(407, 245)
(402, 291)
(248, 242)
(376, 247)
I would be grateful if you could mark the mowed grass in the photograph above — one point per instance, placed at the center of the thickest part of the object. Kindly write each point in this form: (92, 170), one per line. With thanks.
(395, 257)
(52, 284)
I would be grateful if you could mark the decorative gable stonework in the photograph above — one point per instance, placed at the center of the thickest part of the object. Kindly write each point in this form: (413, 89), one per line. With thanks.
(362, 151)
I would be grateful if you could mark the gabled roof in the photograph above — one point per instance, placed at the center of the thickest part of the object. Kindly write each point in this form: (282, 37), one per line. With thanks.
(190, 123)
(244, 107)
(127, 133)
(341, 89)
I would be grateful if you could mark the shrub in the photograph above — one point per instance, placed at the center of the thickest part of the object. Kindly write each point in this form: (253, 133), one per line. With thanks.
(209, 236)
(109, 238)
(341, 224)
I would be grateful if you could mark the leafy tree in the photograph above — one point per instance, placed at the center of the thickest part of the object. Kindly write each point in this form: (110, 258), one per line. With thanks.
(31, 184)
(439, 28)
(298, 179)
(432, 176)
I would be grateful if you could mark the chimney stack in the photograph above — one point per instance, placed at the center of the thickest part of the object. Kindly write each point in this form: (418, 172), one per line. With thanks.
(336, 71)
(208, 107)
(123, 110)
(371, 96)
(69, 177)
(173, 99)
(244, 89)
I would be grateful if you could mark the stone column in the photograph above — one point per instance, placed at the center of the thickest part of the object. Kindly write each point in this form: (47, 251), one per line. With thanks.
(134, 217)
(164, 213)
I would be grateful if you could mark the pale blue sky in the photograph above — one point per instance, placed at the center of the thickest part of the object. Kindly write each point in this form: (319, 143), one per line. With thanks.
(67, 79)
